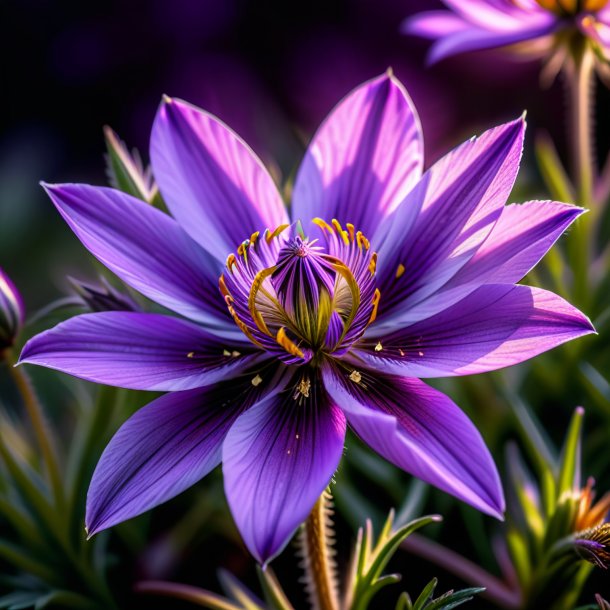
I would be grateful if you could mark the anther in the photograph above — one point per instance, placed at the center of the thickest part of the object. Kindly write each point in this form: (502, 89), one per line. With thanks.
(355, 376)
(378, 347)
(400, 270)
(256, 381)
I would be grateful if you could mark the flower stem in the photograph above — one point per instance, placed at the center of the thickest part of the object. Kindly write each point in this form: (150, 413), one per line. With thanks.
(37, 420)
(318, 562)
(580, 81)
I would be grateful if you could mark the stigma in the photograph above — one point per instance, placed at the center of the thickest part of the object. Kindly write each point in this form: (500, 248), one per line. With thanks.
(298, 298)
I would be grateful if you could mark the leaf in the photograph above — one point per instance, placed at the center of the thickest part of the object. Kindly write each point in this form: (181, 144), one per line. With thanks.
(369, 561)
(274, 595)
(569, 463)
(126, 171)
(454, 599)
(552, 170)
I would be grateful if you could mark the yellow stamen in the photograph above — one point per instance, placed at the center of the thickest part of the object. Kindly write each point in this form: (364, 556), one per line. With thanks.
(254, 290)
(378, 347)
(362, 241)
(256, 381)
(323, 225)
(225, 352)
(190, 355)
(231, 262)
(342, 232)
(373, 263)
(287, 344)
(376, 298)
(355, 376)
(275, 233)
(400, 270)
(254, 237)
(351, 230)
(304, 387)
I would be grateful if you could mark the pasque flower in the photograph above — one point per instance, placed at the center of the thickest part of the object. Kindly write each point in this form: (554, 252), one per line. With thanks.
(547, 27)
(294, 324)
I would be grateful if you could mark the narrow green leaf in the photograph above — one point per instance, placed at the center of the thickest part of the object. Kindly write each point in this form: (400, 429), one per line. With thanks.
(454, 599)
(569, 463)
(552, 170)
(426, 595)
(126, 171)
(272, 590)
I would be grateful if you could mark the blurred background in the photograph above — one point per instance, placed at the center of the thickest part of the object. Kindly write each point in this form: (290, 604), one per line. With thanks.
(272, 70)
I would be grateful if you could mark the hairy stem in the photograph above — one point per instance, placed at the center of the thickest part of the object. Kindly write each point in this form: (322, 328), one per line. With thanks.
(318, 562)
(580, 81)
(37, 420)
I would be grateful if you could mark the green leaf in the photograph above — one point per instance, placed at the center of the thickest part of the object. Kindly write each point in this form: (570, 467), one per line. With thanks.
(126, 171)
(426, 595)
(552, 170)
(370, 560)
(274, 595)
(454, 599)
(569, 463)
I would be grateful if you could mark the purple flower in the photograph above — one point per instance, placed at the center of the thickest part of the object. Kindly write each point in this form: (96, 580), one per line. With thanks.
(325, 316)
(12, 311)
(548, 26)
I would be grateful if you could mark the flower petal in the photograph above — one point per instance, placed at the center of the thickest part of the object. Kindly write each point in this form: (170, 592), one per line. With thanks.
(278, 458)
(420, 430)
(478, 39)
(166, 447)
(433, 24)
(141, 351)
(363, 160)
(522, 236)
(213, 183)
(496, 326)
(147, 249)
(459, 199)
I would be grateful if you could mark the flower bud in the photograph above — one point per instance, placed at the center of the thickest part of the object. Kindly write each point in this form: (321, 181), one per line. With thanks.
(12, 311)
(103, 296)
(593, 545)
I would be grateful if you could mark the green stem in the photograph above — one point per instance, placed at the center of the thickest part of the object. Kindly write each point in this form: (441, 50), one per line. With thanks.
(580, 81)
(37, 420)
(319, 565)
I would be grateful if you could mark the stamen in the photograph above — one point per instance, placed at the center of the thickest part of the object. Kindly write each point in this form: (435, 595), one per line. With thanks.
(376, 299)
(254, 290)
(355, 376)
(400, 270)
(190, 355)
(373, 263)
(254, 237)
(303, 388)
(351, 230)
(275, 233)
(342, 232)
(225, 352)
(323, 224)
(287, 344)
(362, 241)
(256, 381)
(378, 347)
(231, 262)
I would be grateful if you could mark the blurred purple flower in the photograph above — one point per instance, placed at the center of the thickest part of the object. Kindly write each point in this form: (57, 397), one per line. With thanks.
(310, 333)
(474, 25)
(12, 311)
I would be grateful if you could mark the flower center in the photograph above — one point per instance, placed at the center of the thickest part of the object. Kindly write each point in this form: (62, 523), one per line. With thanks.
(301, 299)
(569, 8)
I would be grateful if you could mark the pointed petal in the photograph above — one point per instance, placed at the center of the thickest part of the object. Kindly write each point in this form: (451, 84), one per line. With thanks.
(278, 458)
(146, 249)
(363, 160)
(420, 430)
(459, 200)
(141, 351)
(166, 447)
(522, 236)
(478, 39)
(496, 326)
(213, 183)
(433, 24)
